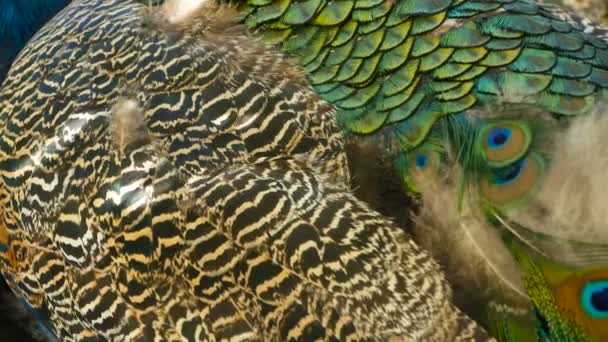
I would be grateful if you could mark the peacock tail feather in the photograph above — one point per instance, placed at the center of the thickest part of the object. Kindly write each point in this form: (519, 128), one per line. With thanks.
(570, 299)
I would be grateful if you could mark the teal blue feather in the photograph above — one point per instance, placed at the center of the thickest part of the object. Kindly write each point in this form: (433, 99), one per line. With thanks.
(19, 20)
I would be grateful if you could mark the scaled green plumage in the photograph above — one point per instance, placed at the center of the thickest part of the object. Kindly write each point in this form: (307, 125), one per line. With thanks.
(402, 68)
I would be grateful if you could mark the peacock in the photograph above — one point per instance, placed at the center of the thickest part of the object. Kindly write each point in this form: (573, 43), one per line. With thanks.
(469, 99)
(166, 176)
(490, 110)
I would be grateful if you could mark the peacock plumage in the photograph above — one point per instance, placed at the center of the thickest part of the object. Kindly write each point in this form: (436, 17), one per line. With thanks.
(470, 99)
(571, 295)
(476, 102)
(164, 176)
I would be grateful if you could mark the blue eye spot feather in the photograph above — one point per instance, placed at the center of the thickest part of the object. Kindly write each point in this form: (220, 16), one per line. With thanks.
(594, 299)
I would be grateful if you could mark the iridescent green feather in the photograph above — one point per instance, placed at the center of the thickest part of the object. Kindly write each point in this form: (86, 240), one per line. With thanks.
(554, 325)
(371, 52)
(508, 326)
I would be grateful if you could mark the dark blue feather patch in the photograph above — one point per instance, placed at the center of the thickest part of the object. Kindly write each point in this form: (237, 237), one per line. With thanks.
(19, 21)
